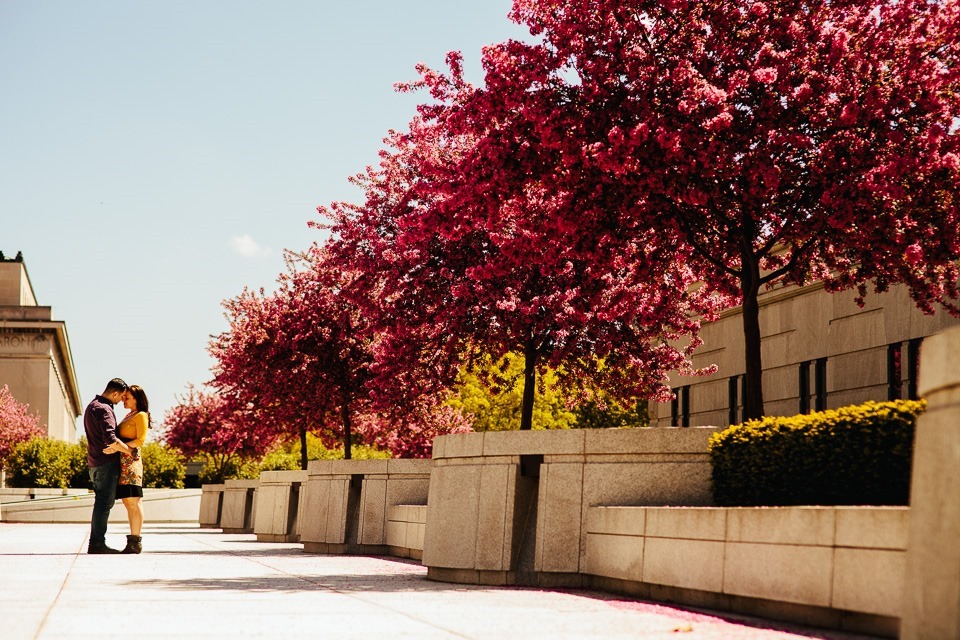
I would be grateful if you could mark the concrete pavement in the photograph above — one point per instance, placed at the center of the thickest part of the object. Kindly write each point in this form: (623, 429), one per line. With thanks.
(197, 583)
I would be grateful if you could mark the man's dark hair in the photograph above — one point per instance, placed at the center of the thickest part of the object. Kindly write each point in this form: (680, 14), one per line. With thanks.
(116, 385)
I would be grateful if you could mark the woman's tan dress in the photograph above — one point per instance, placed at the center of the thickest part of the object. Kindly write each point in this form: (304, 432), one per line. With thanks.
(132, 431)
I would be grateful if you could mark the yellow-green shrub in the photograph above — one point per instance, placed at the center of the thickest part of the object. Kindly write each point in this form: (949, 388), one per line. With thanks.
(163, 466)
(852, 455)
(45, 463)
(286, 457)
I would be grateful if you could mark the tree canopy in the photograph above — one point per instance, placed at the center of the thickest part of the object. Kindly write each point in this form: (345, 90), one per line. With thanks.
(742, 144)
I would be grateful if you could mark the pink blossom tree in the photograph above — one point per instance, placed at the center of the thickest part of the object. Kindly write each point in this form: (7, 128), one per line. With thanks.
(468, 252)
(301, 359)
(751, 143)
(204, 423)
(410, 433)
(287, 355)
(17, 424)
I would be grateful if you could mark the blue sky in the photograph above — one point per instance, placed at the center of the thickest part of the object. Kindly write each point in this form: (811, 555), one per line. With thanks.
(157, 157)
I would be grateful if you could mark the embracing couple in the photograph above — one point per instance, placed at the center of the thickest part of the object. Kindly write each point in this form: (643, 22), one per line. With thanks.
(113, 454)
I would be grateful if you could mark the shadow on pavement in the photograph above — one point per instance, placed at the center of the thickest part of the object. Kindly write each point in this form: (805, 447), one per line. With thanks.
(353, 583)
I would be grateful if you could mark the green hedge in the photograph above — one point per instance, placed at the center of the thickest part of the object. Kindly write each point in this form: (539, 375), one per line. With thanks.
(163, 466)
(47, 463)
(853, 455)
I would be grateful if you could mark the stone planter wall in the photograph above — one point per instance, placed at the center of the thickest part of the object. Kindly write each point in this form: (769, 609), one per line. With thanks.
(239, 506)
(932, 592)
(406, 525)
(277, 508)
(838, 567)
(511, 507)
(211, 505)
(345, 503)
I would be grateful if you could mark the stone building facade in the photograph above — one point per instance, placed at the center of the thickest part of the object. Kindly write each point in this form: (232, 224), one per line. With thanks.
(819, 350)
(35, 359)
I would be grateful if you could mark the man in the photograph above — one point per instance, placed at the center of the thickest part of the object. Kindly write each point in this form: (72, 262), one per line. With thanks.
(100, 424)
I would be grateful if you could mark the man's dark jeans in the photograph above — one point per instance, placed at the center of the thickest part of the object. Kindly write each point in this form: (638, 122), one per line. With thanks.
(104, 479)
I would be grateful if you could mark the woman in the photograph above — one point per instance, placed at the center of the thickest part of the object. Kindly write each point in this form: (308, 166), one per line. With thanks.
(132, 431)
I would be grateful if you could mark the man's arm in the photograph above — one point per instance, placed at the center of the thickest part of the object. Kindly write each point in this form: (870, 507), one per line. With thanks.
(110, 433)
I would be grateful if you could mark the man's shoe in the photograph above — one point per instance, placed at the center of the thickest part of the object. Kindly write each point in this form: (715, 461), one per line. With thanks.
(103, 549)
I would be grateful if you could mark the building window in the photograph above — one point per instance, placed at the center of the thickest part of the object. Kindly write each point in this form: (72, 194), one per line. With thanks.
(819, 395)
(895, 371)
(804, 387)
(680, 407)
(736, 390)
(913, 367)
(820, 384)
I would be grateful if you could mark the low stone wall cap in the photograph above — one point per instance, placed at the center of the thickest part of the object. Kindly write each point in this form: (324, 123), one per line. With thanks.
(940, 366)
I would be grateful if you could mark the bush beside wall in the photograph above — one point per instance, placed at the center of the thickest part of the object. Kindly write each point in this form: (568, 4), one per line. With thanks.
(46, 463)
(42, 463)
(852, 455)
(163, 466)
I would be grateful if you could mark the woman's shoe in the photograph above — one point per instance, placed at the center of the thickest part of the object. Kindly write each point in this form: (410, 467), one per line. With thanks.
(133, 545)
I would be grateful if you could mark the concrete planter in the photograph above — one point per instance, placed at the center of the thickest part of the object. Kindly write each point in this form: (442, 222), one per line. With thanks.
(345, 503)
(277, 508)
(839, 567)
(406, 525)
(511, 507)
(932, 591)
(211, 505)
(239, 502)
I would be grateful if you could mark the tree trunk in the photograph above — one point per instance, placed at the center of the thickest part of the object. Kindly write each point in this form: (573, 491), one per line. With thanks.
(529, 386)
(345, 417)
(753, 389)
(303, 448)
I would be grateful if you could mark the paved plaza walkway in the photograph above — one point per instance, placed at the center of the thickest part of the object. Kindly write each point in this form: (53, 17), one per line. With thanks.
(194, 584)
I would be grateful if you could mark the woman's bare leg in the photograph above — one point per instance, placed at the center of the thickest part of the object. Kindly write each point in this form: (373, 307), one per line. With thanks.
(134, 508)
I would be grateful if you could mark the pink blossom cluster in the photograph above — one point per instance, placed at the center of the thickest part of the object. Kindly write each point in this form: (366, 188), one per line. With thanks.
(17, 424)
(204, 422)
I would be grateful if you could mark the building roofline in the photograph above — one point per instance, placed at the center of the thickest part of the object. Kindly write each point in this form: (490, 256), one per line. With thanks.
(26, 272)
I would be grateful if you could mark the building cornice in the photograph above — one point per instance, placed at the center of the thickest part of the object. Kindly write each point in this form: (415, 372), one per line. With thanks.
(778, 294)
(59, 329)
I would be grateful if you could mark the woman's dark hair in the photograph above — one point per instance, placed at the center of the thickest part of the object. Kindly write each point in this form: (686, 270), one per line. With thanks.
(140, 396)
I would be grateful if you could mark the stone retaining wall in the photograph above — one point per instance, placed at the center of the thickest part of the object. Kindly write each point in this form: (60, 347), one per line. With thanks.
(511, 507)
(345, 502)
(406, 525)
(239, 506)
(211, 505)
(160, 505)
(277, 509)
(839, 567)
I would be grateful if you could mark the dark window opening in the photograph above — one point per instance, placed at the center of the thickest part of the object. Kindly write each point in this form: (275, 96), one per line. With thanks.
(820, 384)
(913, 367)
(805, 387)
(897, 373)
(736, 392)
(680, 407)
(894, 371)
